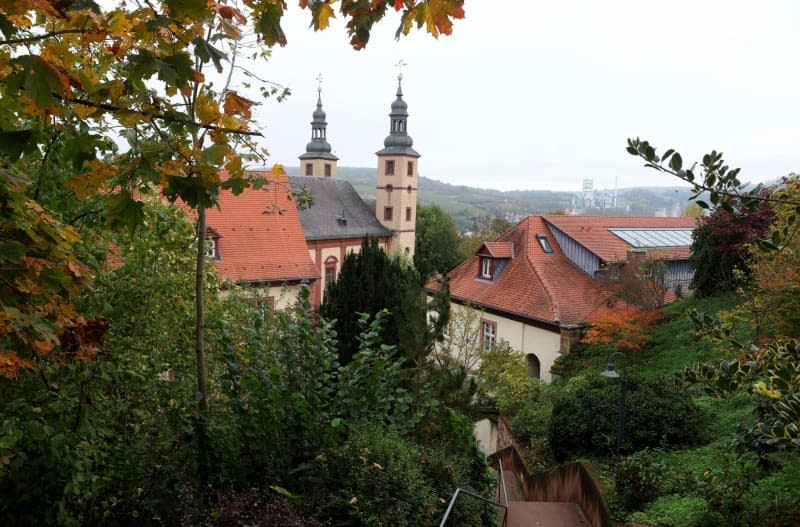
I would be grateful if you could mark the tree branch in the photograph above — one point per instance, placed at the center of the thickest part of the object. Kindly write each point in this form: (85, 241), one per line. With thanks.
(43, 36)
(153, 115)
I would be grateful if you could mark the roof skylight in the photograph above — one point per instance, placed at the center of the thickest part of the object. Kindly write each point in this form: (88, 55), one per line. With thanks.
(667, 237)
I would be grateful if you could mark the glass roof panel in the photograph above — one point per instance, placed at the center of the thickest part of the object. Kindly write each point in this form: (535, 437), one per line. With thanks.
(655, 237)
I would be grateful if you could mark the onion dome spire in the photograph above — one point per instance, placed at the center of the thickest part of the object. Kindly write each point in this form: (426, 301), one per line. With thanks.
(318, 147)
(398, 141)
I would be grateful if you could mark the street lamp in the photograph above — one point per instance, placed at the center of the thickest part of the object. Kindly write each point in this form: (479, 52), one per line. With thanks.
(611, 373)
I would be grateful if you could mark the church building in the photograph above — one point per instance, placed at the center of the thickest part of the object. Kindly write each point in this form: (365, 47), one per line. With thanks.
(275, 254)
(338, 219)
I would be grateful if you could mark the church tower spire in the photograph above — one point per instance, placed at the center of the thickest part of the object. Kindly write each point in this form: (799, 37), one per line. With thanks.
(396, 190)
(318, 159)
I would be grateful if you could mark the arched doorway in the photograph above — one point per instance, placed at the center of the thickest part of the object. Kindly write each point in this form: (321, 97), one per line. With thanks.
(534, 368)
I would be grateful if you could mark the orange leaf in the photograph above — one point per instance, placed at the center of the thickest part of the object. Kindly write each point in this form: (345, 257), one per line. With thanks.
(235, 104)
(398, 5)
(75, 268)
(42, 347)
(229, 13)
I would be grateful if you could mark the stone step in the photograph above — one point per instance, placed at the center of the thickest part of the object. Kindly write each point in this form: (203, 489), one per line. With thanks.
(545, 514)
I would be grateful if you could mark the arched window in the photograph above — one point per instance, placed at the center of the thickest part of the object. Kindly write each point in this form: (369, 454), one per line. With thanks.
(330, 270)
(534, 368)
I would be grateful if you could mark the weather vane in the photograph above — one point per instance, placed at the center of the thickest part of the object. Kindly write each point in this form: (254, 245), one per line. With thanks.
(399, 66)
(319, 83)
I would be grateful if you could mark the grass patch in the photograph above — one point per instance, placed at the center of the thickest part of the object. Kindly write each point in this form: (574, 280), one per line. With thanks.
(673, 510)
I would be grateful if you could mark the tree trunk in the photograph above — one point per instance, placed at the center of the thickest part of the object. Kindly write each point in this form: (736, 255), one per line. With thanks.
(202, 402)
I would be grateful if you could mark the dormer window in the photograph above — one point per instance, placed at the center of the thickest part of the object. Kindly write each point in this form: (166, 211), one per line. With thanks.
(545, 243)
(486, 268)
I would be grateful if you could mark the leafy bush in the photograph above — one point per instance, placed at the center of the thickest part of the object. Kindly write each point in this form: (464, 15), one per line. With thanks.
(656, 413)
(504, 375)
(638, 479)
(720, 248)
(627, 328)
(379, 478)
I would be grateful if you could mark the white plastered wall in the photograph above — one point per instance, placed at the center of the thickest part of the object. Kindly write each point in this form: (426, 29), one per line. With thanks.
(525, 338)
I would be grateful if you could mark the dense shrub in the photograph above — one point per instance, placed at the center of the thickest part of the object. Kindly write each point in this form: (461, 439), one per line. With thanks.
(656, 413)
(377, 477)
(503, 374)
(720, 248)
(638, 479)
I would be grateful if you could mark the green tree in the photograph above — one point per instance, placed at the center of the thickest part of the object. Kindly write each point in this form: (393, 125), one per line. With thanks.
(73, 75)
(484, 229)
(437, 242)
(371, 281)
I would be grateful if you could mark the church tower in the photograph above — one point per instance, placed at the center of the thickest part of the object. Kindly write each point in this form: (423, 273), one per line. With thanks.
(318, 160)
(396, 191)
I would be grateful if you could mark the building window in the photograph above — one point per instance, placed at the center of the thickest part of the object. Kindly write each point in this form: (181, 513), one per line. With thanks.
(486, 268)
(533, 366)
(488, 334)
(327, 170)
(389, 168)
(408, 213)
(410, 168)
(545, 243)
(212, 248)
(309, 169)
(265, 305)
(330, 270)
(387, 213)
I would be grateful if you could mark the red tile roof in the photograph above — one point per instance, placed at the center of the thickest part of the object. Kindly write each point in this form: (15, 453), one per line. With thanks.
(534, 284)
(592, 232)
(498, 249)
(260, 235)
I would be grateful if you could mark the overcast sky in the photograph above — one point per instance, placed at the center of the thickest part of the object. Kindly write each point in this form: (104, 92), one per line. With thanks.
(533, 94)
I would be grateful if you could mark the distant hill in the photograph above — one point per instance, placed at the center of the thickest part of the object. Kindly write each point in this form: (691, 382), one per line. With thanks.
(466, 204)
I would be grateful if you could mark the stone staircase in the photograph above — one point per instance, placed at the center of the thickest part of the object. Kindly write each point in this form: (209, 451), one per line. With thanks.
(545, 514)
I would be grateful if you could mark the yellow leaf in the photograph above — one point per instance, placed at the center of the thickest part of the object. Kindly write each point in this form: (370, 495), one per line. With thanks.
(278, 170)
(116, 89)
(83, 111)
(206, 108)
(323, 12)
(234, 166)
(119, 24)
(87, 183)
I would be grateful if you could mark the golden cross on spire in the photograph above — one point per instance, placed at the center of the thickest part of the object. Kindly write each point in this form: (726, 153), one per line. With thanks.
(399, 67)
(319, 83)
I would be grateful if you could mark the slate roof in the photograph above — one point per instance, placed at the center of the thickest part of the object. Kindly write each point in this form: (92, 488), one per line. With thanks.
(337, 211)
(592, 232)
(534, 284)
(258, 247)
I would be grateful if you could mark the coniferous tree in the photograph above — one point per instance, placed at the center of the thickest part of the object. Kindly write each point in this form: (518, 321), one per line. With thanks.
(370, 281)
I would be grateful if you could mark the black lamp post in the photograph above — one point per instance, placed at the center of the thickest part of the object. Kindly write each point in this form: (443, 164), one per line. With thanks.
(611, 373)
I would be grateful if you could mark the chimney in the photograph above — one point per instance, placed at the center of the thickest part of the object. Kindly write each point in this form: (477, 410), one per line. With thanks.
(635, 257)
